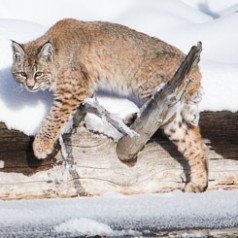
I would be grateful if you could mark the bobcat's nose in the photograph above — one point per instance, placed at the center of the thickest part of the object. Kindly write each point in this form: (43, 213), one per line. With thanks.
(30, 84)
(31, 87)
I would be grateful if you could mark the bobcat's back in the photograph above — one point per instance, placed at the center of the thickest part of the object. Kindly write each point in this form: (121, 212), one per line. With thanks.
(112, 56)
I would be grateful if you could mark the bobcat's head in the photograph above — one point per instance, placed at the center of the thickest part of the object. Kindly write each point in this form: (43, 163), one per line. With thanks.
(33, 66)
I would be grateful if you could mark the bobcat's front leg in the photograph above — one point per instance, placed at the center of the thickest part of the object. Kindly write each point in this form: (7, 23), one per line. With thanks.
(64, 106)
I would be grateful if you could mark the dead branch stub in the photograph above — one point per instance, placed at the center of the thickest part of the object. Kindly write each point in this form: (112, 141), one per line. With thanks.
(157, 108)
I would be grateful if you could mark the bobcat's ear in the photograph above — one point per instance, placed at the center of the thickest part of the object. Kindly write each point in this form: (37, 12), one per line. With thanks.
(46, 51)
(18, 50)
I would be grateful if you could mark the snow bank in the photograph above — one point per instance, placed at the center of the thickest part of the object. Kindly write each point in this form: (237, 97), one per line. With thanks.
(19, 109)
(118, 215)
(180, 22)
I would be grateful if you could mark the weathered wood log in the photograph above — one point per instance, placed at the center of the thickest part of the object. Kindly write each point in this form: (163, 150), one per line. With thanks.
(157, 108)
(97, 170)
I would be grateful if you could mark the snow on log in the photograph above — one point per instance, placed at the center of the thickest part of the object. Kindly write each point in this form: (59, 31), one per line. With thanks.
(97, 170)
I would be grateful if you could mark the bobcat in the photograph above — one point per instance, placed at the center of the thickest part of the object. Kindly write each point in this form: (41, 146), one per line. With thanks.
(75, 58)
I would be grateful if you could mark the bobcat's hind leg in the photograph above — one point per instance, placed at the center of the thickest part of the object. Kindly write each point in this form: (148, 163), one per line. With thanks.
(185, 134)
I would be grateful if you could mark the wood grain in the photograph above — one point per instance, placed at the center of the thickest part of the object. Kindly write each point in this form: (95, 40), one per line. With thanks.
(97, 170)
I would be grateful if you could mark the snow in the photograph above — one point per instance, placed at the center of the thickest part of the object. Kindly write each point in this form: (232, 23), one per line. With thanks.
(119, 215)
(84, 226)
(179, 22)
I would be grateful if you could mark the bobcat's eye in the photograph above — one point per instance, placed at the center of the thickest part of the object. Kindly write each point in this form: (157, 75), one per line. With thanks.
(38, 74)
(23, 74)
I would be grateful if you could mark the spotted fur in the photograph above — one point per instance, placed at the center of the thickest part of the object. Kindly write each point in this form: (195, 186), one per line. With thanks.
(75, 58)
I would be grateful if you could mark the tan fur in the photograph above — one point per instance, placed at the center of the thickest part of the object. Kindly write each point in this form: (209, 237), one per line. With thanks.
(76, 58)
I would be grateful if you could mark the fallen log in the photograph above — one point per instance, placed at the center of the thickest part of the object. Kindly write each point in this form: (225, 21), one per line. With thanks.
(159, 168)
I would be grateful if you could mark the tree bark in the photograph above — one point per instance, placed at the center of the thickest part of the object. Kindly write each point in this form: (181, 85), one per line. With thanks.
(157, 108)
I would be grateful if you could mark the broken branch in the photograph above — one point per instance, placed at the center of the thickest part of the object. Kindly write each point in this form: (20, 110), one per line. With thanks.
(91, 105)
(158, 108)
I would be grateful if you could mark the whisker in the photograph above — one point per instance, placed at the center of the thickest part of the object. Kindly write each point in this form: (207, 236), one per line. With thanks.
(21, 89)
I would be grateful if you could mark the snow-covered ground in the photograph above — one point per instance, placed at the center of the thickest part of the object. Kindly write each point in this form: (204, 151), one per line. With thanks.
(118, 215)
(180, 22)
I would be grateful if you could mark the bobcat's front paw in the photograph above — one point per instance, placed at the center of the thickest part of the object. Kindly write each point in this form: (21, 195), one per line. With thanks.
(42, 147)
